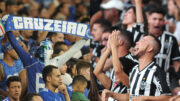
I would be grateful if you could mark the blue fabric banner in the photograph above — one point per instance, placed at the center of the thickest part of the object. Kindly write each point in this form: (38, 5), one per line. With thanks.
(28, 23)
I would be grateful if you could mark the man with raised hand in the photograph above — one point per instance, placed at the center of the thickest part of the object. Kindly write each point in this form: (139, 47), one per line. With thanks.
(119, 44)
(52, 79)
(147, 80)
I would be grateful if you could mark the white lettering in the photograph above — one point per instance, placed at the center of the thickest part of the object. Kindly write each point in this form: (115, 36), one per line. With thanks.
(18, 24)
(38, 24)
(81, 30)
(28, 23)
(38, 84)
(71, 27)
(64, 24)
(48, 25)
(57, 25)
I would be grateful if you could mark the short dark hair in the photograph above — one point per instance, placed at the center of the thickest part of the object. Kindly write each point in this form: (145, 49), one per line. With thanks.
(12, 79)
(157, 41)
(11, 2)
(51, 34)
(105, 24)
(57, 48)
(29, 96)
(157, 9)
(47, 71)
(79, 78)
(131, 7)
(81, 65)
(128, 37)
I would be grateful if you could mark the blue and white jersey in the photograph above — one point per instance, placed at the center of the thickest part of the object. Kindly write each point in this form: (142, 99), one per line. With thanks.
(34, 76)
(33, 66)
(8, 72)
(48, 95)
(6, 99)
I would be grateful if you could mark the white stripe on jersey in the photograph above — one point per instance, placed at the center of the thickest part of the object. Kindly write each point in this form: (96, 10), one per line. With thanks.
(149, 80)
(139, 80)
(169, 51)
(138, 31)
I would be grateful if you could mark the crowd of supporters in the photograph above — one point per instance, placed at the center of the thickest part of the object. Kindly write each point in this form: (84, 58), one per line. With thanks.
(24, 73)
(135, 50)
(133, 55)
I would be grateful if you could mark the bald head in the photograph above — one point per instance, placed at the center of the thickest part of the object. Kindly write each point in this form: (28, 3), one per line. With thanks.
(156, 44)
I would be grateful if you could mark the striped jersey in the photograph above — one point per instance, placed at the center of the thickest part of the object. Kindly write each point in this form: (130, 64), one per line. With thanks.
(151, 81)
(128, 63)
(96, 52)
(169, 51)
(138, 31)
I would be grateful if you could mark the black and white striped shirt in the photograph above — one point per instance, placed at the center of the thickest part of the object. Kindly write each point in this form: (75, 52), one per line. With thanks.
(128, 63)
(138, 31)
(97, 47)
(169, 51)
(151, 81)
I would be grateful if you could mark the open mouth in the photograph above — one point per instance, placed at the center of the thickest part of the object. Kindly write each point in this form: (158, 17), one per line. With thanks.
(157, 27)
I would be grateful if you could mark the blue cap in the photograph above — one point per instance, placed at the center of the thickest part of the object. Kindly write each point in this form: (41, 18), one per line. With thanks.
(7, 46)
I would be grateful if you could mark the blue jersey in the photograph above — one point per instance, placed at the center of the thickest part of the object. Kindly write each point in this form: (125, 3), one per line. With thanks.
(18, 63)
(70, 91)
(48, 95)
(8, 71)
(31, 43)
(62, 95)
(1, 53)
(33, 66)
(6, 99)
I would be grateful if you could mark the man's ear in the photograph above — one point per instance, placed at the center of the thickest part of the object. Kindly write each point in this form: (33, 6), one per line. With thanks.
(48, 78)
(150, 49)
(121, 42)
(8, 51)
(81, 71)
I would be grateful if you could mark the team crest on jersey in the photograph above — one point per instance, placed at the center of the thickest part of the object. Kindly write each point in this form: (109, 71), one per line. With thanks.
(166, 44)
(143, 85)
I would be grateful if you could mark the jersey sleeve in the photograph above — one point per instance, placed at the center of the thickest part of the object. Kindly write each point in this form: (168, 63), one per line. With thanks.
(160, 82)
(139, 27)
(23, 55)
(44, 96)
(175, 55)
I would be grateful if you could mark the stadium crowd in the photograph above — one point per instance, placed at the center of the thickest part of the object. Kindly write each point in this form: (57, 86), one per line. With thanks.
(24, 73)
(135, 50)
(133, 55)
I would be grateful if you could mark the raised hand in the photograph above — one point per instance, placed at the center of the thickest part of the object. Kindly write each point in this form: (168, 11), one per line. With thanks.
(106, 94)
(62, 88)
(114, 39)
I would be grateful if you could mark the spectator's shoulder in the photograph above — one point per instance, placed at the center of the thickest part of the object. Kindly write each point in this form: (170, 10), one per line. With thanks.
(169, 34)
(44, 90)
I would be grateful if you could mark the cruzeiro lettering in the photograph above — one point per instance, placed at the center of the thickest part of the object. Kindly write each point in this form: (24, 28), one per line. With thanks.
(28, 23)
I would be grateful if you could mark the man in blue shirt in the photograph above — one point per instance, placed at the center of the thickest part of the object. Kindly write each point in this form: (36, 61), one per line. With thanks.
(52, 79)
(14, 89)
(31, 76)
(8, 66)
